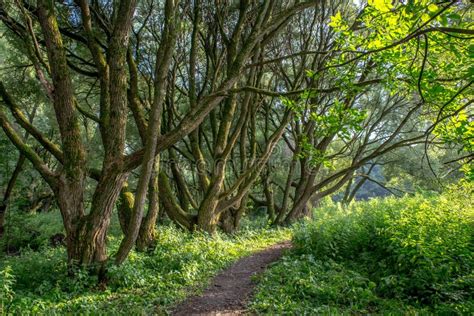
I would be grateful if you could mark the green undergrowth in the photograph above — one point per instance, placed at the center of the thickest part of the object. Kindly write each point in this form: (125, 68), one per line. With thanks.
(36, 282)
(408, 256)
(29, 231)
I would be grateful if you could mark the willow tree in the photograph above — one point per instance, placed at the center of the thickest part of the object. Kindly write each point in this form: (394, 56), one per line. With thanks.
(93, 65)
(353, 53)
(85, 232)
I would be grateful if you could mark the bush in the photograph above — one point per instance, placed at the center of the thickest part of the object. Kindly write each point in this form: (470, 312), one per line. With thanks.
(374, 255)
(25, 231)
(7, 281)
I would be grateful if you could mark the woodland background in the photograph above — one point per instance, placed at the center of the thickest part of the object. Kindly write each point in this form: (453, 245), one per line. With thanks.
(136, 132)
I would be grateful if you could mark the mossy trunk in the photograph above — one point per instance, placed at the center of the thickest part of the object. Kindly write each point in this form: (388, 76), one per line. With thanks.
(86, 234)
(299, 209)
(147, 236)
(208, 217)
(171, 207)
(227, 222)
(207, 221)
(124, 207)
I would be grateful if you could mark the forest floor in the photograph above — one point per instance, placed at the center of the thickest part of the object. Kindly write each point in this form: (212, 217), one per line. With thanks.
(230, 291)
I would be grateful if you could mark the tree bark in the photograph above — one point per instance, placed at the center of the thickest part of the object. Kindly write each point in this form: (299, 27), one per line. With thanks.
(147, 234)
(124, 207)
(230, 219)
(172, 208)
(163, 60)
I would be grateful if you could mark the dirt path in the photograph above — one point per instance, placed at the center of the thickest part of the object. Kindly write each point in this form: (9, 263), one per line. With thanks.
(230, 290)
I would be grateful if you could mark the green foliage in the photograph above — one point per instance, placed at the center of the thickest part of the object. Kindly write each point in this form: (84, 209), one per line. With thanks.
(407, 255)
(339, 120)
(302, 285)
(7, 281)
(146, 283)
(393, 34)
(459, 130)
(29, 230)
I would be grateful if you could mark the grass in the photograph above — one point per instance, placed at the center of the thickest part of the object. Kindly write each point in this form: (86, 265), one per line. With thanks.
(393, 256)
(36, 282)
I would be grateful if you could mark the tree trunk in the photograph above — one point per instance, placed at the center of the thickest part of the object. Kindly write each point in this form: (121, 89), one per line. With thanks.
(297, 211)
(172, 208)
(347, 192)
(86, 234)
(227, 221)
(286, 195)
(163, 60)
(207, 220)
(230, 219)
(147, 234)
(124, 207)
(3, 210)
(270, 199)
(8, 192)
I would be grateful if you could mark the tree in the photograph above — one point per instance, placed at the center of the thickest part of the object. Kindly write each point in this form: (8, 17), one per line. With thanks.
(96, 43)
(138, 90)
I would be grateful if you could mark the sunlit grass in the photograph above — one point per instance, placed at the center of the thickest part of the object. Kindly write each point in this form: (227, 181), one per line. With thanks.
(181, 264)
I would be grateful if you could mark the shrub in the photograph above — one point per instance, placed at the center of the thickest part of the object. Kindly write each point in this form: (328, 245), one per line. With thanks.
(417, 250)
(29, 231)
(7, 281)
